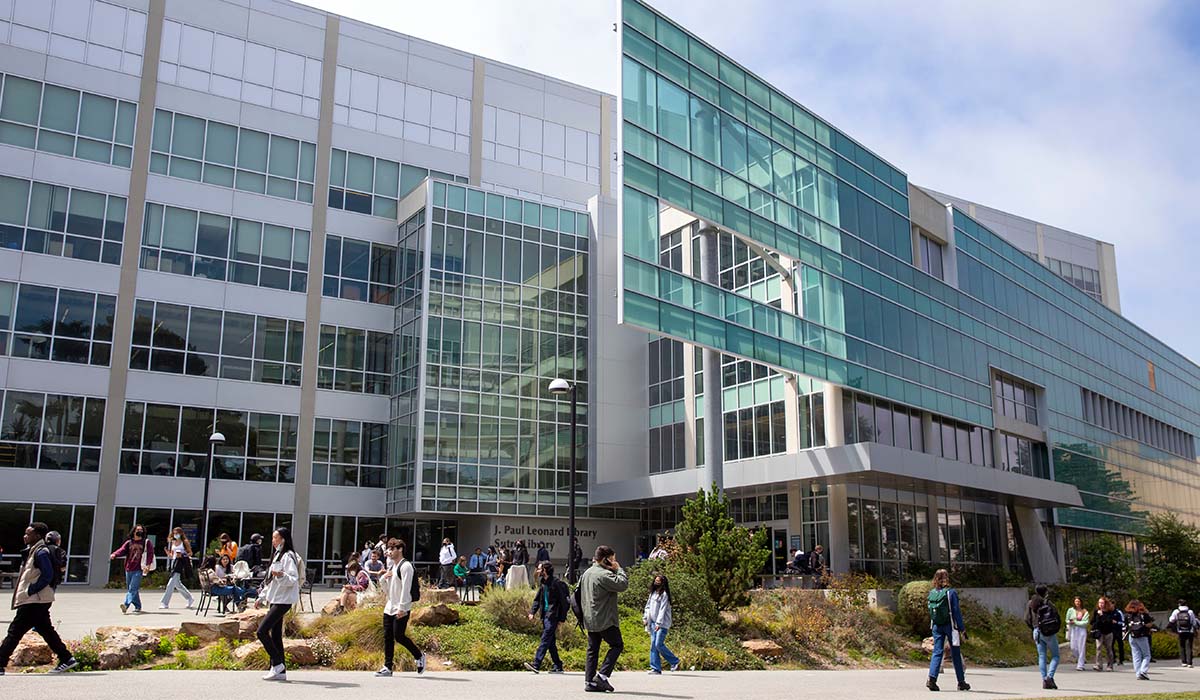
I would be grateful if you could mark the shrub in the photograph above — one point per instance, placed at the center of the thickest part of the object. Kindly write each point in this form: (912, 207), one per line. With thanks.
(87, 652)
(361, 628)
(509, 610)
(186, 642)
(723, 554)
(1164, 646)
(144, 656)
(219, 656)
(852, 590)
(690, 599)
(323, 649)
(166, 645)
(912, 606)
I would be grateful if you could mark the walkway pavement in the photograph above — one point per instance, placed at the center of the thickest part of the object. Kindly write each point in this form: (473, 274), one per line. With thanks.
(906, 684)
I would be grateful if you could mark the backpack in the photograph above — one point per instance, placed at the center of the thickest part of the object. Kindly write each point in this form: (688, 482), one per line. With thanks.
(939, 607)
(58, 556)
(577, 606)
(1048, 621)
(1136, 626)
(1183, 622)
(414, 588)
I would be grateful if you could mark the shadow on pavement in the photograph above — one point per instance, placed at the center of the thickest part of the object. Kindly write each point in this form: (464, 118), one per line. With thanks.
(323, 684)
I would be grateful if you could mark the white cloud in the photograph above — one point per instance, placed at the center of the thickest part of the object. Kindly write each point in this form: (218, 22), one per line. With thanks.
(1077, 113)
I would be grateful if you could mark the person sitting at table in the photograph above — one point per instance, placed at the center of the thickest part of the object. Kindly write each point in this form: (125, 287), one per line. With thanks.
(357, 581)
(374, 566)
(215, 574)
(461, 571)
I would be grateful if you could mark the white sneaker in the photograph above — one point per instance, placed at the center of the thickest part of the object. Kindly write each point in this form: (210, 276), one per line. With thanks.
(163, 607)
(384, 672)
(277, 673)
(421, 665)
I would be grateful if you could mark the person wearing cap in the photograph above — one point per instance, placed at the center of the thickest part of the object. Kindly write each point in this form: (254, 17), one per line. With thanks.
(251, 553)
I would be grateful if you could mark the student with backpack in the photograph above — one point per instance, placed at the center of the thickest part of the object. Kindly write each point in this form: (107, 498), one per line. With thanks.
(1139, 625)
(139, 562)
(1043, 619)
(33, 593)
(281, 592)
(946, 623)
(1183, 622)
(551, 601)
(402, 587)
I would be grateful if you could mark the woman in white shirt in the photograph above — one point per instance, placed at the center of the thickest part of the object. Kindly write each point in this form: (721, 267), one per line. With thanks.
(179, 564)
(281, 593)
(398, 583)
(657, 618)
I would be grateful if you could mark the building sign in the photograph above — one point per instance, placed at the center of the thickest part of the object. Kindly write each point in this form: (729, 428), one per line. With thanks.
(540, 533)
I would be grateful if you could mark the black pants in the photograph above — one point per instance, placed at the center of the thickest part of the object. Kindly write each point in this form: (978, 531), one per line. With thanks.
(270, 632)
(447, 575)
(1185, 648)
(1119, 642)
(549, 643)
(616, 645)
(33, 616)
(395, 629)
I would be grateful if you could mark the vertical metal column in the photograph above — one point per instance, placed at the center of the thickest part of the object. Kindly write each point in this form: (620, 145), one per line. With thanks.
(714, 419)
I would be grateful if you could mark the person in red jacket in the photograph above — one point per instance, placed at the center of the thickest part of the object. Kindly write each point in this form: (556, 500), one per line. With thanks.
(139, 561)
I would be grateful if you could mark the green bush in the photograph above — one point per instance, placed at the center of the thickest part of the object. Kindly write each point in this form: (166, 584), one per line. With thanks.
(509, 610)
(186, 642)
(87, 652)
(1164, 646)
(219, 656)
(166, 645)
(360, 628)
(724, 555)
(912, 606)
(690, 599)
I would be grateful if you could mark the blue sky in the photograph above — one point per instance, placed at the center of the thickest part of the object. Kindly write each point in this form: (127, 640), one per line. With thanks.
(1081, 114)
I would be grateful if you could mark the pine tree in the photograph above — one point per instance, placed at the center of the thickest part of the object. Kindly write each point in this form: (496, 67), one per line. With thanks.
(727, 556)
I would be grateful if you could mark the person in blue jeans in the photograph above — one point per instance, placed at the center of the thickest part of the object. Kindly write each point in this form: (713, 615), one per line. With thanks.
(657, 618)
(945, 619)
(1042, 617)
(1139, 625)
(552, 601)
(138, 558)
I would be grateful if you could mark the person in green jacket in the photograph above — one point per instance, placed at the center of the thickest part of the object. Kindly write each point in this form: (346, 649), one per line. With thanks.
(1078, 620)
(598, 589)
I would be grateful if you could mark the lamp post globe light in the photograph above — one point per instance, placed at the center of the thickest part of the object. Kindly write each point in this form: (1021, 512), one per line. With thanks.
(213, 441)
(558, 387)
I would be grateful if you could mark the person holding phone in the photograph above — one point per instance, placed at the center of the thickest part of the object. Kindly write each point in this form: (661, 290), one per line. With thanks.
(599, 587)
(281, 593)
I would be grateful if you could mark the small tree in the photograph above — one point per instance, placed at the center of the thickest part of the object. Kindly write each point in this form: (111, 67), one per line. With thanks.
(1103, 564)
(725, 555)
(1171, 558)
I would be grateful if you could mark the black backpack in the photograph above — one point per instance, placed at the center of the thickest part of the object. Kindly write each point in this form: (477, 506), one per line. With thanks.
(577, 606)
(1048, 621)
(58, 555)
(1183, 622)
(1136, 626)
(414, 588)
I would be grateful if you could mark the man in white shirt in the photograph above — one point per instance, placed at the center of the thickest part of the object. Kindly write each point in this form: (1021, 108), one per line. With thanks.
(397, 582)
(446, 558)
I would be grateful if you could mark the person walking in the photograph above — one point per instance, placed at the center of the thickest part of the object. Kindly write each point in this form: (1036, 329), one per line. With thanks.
(1104, 628)
(33, 594)
(543, 554)
(946, 623)
(551, 601)
(1043, 619)
(281, 593)
(656, 616)
(517, 575)
(816, 565)
(1078, 620)
(446, 558)
(178, 552)
(1183, 622)
(251, 553)
(398, 584)
(1119, 634)
(1139, 625)
(139, 561)
(576, 561)
(598, 590)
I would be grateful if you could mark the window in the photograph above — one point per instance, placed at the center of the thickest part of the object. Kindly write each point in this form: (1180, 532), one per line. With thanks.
(374, 103)
(112, 39)
(359, 271)
(756, 431)
(73, 522)
(959, 441)
(931, 257)
(214, 343)
(1083, 278)
(170, 440)
(666, 371)
(1117, 418)
(1023, 456)
(1015, 398)
(229, 156)
(351, 359)
(350, 453)
(51, 431)
(66, 122)
(53, 220)
(373, 186)
(62, 325)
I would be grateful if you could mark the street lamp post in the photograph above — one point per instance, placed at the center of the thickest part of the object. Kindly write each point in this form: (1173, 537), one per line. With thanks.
(562, 386)
(213, 440)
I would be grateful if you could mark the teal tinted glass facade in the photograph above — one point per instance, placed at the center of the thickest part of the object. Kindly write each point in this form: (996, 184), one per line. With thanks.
(702, 135)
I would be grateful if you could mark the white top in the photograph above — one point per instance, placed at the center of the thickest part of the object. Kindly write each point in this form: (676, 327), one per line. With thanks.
(398, 586)
(285, 589)
(1184, 611)
(657, 612)
(177, 549)
(447, 555)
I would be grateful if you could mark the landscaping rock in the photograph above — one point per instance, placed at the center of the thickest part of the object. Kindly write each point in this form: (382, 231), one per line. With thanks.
(246, 650)
(298, 649)
(248, 622)
(121, 649)
(32, 651)
(109, 630)
(763, 648)
(211, 630)
(333, 607)
(435, 616)
(439, 595)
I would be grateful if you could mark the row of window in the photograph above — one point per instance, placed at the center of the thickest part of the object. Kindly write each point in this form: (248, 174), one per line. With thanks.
(100, 34)
(170, 440)
(218, 247)
(962, 442)
(73, 522)
(64, 325)
(374, 103)
(230, 156)
(666, 371)
(214, 343)
(54, 220)
(668, 448)
(352, 359)
(359, 271)
(1085, 278)
(66, 121)
(508, 251)
(1118, 418)
(546, 146)
(350, 453)
(870, 419)
(755, 432)
(1017, 399)
(1023, 456)
(51, 431)
(373, 186)
(931, 257)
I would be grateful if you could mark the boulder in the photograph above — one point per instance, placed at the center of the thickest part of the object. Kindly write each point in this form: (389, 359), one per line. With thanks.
(927, 645)
(121, 649)
(763, 648)
(333, 607)
(109, 630)
(434, 616)
(298, 649)
(32, 651)
(248, 622)
(439, 595)
(211, 630)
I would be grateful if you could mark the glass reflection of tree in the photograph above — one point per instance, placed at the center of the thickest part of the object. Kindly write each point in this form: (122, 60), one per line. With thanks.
(1104, 487)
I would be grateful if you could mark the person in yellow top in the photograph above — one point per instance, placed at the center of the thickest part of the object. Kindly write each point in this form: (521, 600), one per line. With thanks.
(228, 546)
(1078, 619)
